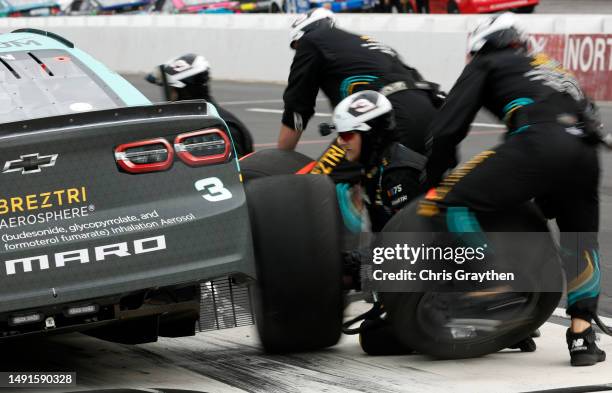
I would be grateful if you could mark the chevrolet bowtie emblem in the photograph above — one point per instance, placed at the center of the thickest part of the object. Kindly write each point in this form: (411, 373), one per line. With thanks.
(29, 163)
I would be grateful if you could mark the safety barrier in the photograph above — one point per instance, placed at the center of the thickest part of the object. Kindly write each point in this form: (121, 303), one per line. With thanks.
(254, 47)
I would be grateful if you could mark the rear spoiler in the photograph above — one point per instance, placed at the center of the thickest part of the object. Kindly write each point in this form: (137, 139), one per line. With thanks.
(170, 109)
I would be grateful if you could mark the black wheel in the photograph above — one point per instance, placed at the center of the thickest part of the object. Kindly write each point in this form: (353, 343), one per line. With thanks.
(270, 162)
(274, 8)
(453, 8)
(453, 325)
(400, 7)
(525, 10)
(243, 140)
(296, 233)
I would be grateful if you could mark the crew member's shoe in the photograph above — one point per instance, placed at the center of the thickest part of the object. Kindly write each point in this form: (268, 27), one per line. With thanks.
(583, 349)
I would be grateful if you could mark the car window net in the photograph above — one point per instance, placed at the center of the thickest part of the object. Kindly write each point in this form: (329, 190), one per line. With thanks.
(43, 83)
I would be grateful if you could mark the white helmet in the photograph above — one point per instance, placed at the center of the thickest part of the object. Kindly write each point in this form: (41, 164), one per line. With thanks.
(313, 19)
(355, 111)
(497, 32)
(181, 71)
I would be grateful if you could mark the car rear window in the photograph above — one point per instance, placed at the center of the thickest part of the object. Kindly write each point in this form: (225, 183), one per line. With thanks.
(113, 3)
(43, 83)
(28, 3)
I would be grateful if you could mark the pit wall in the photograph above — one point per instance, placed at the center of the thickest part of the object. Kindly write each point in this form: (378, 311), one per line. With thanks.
(255, 47)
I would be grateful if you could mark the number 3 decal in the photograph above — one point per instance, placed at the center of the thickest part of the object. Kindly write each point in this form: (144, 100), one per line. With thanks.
(213, 189)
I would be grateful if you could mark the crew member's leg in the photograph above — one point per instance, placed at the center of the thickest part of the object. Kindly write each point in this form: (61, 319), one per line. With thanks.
(578, 220)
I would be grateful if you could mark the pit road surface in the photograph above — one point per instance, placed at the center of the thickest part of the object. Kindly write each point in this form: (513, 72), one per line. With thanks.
(232, 361)
(574, 7)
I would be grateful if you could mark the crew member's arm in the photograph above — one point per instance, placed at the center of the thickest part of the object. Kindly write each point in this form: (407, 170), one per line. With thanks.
(301, 93)
(452, 123)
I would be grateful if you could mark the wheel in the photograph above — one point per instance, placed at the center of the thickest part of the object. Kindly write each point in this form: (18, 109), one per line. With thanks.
(525, 10)
(241, 136)
(454, 325)
(274, 8)
(453, 8)
(271, 162)
(296, 234)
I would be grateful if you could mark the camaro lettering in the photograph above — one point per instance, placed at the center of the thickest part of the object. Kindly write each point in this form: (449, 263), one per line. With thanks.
(100, 253)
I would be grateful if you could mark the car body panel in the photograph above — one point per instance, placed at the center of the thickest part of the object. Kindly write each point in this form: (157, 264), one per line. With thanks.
(32, 9)
(479, 6)
(345, 6)
(75, 224)
(26, 42)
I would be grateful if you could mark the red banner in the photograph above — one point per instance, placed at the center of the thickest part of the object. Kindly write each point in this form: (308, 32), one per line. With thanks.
(587, 56)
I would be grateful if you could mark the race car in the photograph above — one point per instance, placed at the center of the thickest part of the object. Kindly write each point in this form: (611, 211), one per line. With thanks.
(194, 6)
(471, 6)
(345, 6)
(15, 8)
(118, 217)
(270, 6)
(106, 7)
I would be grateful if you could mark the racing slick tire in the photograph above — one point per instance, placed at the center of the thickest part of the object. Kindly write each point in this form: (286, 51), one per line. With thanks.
(453, 8)
(525, 10)
(270, 162)
(296, 234)
(423, 321)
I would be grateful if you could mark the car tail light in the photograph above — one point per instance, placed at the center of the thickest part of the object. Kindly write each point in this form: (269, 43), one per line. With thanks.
(145, 156)
(16, 320)
(204, 147)
(15, 14)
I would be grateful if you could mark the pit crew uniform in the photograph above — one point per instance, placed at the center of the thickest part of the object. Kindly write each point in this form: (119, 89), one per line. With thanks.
(548, 154)
(341, 63)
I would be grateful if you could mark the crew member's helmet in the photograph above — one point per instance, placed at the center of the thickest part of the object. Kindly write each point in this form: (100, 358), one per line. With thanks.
(316, 18)
(363, 111)
(498, 32)
(182, 71)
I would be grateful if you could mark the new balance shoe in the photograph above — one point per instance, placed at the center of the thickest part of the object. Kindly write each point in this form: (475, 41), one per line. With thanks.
(583, 348)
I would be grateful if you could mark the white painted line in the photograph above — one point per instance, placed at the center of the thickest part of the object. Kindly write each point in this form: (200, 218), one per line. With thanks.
(250, 102)
(280, 111)
(310, 142)
(488, 125)
(271, 101)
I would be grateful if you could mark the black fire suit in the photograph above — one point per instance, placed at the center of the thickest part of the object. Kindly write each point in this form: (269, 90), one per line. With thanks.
(392, 181)
(341, 63)
(545, 156)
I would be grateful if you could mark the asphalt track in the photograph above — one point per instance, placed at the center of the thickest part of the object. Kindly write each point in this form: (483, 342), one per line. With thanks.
(231, 361)
(574, 7)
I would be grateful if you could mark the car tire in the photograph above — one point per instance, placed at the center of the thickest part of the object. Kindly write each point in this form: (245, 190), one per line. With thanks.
(296, 233)
(270, 162)
(525, 10)
(453, 8)
(274, 8)
(421, 320)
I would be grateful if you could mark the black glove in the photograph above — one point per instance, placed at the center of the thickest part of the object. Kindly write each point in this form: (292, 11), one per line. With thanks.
(592, 125)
